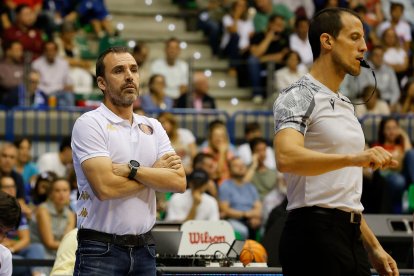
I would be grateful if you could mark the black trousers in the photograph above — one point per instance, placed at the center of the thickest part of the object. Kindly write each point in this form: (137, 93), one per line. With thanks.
(318, 243)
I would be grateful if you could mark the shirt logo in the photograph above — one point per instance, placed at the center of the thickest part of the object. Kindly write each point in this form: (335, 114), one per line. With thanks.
(84, 196)
(146, 129)
(83, 213)
(332, 102)
(110, 127)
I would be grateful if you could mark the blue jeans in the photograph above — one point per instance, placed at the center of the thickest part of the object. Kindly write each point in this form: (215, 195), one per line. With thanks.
(32, 251)
(98, 258)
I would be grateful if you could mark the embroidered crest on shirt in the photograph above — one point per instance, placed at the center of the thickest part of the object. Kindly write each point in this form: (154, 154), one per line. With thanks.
(110, 127)
(146, 129)
(332, 102)
(83, 213)
(84, 196)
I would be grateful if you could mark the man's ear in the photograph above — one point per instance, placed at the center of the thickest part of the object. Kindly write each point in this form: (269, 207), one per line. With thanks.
(101, 83)
(326, 41)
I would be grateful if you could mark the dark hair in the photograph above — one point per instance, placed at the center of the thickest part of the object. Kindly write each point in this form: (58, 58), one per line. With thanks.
(10, 211)
(326, 21)
(300, 19)
(100, 65)
(65, 143)
(288, 54)
(256, 141)
(152, 79)
(381, 135)
(396, 5)
(48, 176)
(20, 7)
(199, 159)
(250, 127)
(172, 39)
(9, 44)
(367, 90)
(52, 185)
(49, 42)
(198, 178)
(17, 142)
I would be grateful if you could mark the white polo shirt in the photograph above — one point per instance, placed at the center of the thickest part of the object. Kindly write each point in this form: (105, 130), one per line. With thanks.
(102, 133)
(329, 126)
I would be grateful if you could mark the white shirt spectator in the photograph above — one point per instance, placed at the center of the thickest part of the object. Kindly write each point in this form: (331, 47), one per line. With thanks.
(53, 76)
(395, 56)
(245, 153)
(180, 204)
(402, 29)
(284, 77)
(50, 161)
(303, 48)
(175, 75)
(6, 267)
(244, 29)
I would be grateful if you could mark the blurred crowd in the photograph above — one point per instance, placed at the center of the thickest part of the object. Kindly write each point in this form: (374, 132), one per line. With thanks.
(43, 66)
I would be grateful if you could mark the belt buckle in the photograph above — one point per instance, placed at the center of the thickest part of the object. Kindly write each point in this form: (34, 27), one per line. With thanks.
(355, 218)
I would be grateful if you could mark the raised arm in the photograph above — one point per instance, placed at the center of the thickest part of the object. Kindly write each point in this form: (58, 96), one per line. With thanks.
(293, 157)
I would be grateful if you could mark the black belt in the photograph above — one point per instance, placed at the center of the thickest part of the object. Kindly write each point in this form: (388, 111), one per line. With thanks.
(120, 240)
(348, 217)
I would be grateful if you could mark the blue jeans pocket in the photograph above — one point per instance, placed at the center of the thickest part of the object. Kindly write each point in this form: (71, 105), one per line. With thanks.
(151, 250)
(93, 248)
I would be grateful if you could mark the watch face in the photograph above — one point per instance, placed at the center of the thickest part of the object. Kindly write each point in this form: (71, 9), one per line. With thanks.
(134, 163)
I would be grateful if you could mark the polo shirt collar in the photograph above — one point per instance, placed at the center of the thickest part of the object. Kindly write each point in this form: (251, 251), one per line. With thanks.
(107, 113)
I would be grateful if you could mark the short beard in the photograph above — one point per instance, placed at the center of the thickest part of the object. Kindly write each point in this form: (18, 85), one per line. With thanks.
(117, 101)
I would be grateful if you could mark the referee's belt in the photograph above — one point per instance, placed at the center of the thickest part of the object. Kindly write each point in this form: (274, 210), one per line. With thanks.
(120, 240)
(339, 215)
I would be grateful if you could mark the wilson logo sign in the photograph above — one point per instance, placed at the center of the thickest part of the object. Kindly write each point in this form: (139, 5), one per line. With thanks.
(200, 237)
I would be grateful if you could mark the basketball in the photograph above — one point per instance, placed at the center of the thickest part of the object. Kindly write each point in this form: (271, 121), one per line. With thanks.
(253, 252)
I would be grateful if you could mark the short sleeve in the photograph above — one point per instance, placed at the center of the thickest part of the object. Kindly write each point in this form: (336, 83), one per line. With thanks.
(293, 108)
(88, 140)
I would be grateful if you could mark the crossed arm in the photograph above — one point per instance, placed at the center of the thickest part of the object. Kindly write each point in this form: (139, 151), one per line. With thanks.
(110, 181)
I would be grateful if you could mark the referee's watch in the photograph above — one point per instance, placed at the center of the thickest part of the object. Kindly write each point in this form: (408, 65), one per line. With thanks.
(134, 166)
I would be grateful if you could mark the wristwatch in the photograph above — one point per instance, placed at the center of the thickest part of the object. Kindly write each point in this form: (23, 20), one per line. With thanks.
(133, 165)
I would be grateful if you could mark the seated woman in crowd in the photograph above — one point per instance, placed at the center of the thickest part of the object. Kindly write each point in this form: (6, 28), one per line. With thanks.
(182, 140)
(394, 139)
(24, 164)
(156, 98)
(219, 146)
(53, 217)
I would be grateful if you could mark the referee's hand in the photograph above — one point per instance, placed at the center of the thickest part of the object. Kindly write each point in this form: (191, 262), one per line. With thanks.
(376, 158)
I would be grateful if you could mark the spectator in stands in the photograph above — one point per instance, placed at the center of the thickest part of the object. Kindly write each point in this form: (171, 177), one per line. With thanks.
(10, 213)
(18, 241)
(206, 162)
(156, 98)
(293, 70)
(199, 97)
(373, 14)
(387, 82)
(266, 9)
(95, 13)
(301, 8)
(264, 178)
(53, 218)
(140, 52)
(8, 157)
(210, 21)
(299, 42)
(23, 31)
(394, 54)
(11, 75)
(240, 202)
(24, 164)
(194, 203)
(66, 254)
(175, 70)
(269, 182)
(238, 29)
(182, 140)
(55, 79)
(80, 69)
(407, 98)
(41, 187)
(269, 46)
(219, 146)
(57, 162)
(400, 25)
(252, 130)
(395, 140)
(372, 105)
